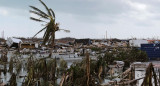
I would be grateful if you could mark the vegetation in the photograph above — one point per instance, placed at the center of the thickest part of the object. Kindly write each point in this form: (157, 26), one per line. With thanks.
(81, 74)
(127, 55)
(96, 49)
(12, 81)
(63, 66)
(45, 71)
(48, 18)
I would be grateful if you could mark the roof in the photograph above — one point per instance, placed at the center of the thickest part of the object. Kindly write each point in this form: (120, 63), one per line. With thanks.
(15, 40)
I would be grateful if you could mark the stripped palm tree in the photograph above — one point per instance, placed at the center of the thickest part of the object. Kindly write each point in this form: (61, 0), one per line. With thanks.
(50, 25)
(88, 68)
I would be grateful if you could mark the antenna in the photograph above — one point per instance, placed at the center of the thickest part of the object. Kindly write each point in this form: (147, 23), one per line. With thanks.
(106, 34)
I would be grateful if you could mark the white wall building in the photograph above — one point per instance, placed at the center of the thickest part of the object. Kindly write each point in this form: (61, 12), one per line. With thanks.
(137, 42)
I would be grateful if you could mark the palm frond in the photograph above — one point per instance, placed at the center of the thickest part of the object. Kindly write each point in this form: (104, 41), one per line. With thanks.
(39, 31)
(53, 14)
(38, 10)
(49, 13)
(56, 26)
(46, 35)
(46, 31)
(39, 14)
(36, 19)
(52, 36)
(46, 38)
(50, 41)
(67, 31)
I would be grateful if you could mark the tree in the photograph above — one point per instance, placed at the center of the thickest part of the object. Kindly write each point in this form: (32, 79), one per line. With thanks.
(50, 25)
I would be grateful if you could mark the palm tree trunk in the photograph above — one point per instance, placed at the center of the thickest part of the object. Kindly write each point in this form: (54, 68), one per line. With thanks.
(62, 80)
(154, 76)
(99, 73)
(52, 44)
(148, 76)
(50, 55)
(88, 68)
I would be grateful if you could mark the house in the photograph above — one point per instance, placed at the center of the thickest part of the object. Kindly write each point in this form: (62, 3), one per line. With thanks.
(83, 41)
(28, 45)
(61, 50)
(13, 42)
(66, 40)
(2, 41)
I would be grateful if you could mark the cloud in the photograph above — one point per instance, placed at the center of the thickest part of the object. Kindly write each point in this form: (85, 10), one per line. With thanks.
(86, 18)
(3, 12)
(137, 6)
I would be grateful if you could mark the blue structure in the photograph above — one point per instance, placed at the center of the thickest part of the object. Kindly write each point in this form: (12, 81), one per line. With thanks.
(152, 50)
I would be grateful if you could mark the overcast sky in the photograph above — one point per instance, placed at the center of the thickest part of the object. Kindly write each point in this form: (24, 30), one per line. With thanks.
(85, 18)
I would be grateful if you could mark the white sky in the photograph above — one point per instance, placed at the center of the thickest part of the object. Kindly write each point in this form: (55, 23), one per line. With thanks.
(85, 18)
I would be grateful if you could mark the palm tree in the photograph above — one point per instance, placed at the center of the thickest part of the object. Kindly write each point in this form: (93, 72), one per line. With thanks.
(50, 25)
